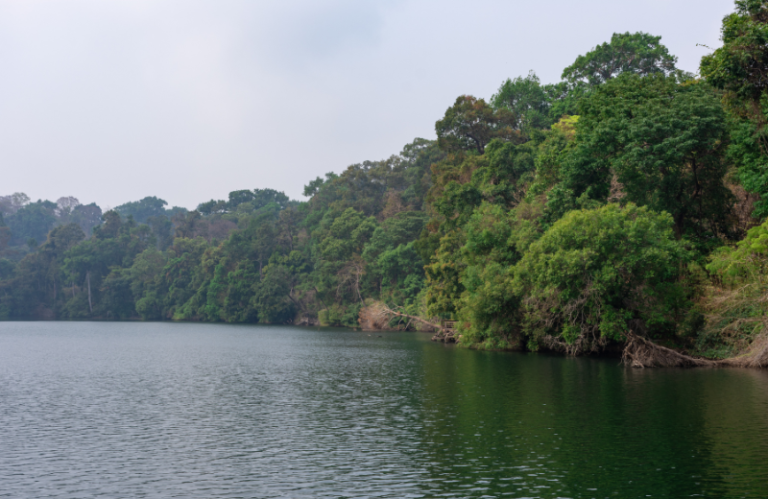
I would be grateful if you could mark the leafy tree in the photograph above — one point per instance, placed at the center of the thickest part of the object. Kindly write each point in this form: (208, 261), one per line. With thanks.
(596, 274)
(471, 123)
(99, 267)
(5, 236)
(551, 153)
(739, 68)
(314, 186)
(179, 279)
(636, 53)
(347, 236)
(740, 65)
(487, 307)
(189, 225)
(111, 226)
(238, 302)
(213, 206)
(32, 221)
(264, 197)
(404, 227)
(12, 203)
(564, 98)
(236, 198)
(507, 174)
(161, 228)
(271, 297)
(63, 238)
(6, 269)
(87, 216)
(144, 275)
(653, 142)
(263, 235)
(744, 263)
(411, 175)
(247, 201)
(527, 99)
(141, 210)
(65, 205)
(443, 273)
(394, 268)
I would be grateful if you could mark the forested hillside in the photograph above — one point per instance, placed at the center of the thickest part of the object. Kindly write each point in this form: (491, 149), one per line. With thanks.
(626, 201)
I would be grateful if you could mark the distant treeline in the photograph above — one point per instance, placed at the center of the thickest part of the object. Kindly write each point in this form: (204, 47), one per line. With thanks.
(626, 200)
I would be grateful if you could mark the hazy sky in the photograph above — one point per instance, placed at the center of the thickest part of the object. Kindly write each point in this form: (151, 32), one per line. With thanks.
(113, 100)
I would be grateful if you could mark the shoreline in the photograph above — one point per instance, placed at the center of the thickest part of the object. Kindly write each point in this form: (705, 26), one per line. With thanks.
(637, 352)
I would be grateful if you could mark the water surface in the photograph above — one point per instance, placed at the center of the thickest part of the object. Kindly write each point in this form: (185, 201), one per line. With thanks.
(215, 411)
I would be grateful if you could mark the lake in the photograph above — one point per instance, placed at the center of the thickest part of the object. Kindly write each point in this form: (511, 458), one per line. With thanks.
(162, 410)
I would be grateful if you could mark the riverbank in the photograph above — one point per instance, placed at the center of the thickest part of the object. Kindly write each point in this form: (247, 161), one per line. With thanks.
(636, 351)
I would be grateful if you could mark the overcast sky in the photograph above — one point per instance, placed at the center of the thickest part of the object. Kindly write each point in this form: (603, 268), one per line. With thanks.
(113, 100)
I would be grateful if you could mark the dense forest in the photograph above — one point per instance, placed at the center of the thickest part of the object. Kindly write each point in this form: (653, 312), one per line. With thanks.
(626, 202)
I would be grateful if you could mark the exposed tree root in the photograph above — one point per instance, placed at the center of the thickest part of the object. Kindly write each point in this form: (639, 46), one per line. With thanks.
(436, 327)
(376, 316)
(640, 352)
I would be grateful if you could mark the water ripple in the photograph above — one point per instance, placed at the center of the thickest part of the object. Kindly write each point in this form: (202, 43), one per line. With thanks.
(205, 411)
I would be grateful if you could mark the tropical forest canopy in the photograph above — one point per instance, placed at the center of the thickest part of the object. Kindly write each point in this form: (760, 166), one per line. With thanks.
(627, 199)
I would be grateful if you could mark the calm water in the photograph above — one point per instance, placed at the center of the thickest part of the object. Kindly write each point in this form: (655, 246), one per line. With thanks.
(211, 411)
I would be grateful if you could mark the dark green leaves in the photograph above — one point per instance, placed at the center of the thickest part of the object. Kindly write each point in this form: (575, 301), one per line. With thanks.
(635, 53)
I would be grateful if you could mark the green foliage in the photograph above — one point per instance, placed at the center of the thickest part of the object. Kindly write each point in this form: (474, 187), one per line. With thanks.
(471, 123)
(744, 263)
(559, 216)
(552, 152)
(656, 143)
(143, 209)
(635, 53)
(596, 274)
(736, 308)
(32, 221)
(738, 68)
(526, 99)
(488, 308)
(739, 65)
(346, 236)
(245, 201)
(271, 297)
(443, 274)
(378, 188)
(340, 315)
(564, 98)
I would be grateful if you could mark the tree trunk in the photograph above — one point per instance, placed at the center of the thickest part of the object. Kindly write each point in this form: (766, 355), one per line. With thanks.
(413, 318)
(88, 278)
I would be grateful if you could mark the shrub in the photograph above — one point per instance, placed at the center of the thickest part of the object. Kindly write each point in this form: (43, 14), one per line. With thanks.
(597, 274)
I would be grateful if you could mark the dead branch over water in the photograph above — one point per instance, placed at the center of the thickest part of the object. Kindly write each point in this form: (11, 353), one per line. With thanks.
(639, 352)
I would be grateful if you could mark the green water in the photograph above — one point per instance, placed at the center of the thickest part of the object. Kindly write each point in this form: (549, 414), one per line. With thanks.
(214, 411)
(592, 428)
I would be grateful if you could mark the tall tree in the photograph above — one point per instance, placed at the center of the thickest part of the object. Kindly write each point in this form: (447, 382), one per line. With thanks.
(740, 68)
(12, 203)
(655, 143)
(637, 53)
(527, 99)
(32, 221)
(141, 210)
(471, 123)
(87, 216)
